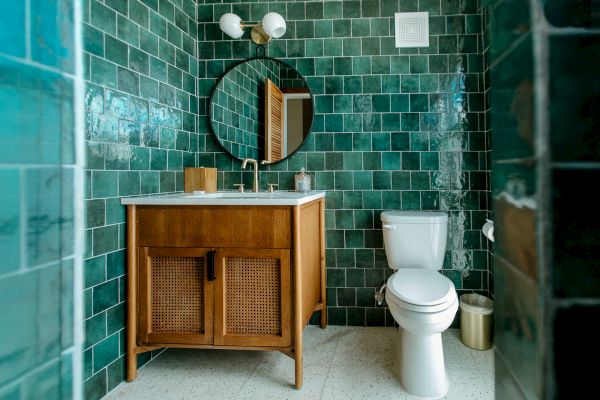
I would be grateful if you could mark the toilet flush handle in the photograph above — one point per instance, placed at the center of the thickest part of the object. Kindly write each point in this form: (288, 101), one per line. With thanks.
(389, 227)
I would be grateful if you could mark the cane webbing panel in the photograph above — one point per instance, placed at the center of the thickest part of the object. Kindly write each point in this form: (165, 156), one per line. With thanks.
(177, 294)
(253, 296)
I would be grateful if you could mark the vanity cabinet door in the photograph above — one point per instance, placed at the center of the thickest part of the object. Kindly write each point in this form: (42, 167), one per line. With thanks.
(252, 297)
(175, 296)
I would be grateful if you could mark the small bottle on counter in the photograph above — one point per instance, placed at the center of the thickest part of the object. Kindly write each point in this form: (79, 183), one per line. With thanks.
(303, 181)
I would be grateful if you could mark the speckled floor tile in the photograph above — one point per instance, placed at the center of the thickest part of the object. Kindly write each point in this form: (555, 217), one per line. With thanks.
(277, 382)
(359, 381)
(456, 354)
(364, 346)
(340, 363)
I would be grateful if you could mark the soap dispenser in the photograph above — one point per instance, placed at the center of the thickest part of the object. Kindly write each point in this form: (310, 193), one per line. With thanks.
(303, 181)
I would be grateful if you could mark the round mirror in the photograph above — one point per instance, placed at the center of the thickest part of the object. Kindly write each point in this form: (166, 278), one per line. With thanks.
(262, 109)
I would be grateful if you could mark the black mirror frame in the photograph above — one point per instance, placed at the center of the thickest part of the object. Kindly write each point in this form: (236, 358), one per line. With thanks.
(214, 89)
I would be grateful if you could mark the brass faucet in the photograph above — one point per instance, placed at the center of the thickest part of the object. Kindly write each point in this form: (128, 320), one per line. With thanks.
(255, 163)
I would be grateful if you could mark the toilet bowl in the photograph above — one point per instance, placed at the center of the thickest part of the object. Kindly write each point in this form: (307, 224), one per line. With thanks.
(422, 370)
(422, 301)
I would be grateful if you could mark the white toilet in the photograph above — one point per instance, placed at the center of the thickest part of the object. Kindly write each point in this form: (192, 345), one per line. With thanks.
(422, 300)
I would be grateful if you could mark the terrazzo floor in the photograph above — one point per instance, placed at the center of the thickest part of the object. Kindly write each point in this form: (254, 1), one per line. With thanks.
(339, 363)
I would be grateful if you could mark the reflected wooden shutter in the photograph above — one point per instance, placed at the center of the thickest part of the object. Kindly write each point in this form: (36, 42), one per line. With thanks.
(273, 122)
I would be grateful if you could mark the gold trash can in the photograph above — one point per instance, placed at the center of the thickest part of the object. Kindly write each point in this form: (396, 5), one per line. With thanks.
(476, 321)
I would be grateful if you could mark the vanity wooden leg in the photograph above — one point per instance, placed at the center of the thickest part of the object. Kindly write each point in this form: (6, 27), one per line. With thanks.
(297, 289)
(298, 365)
(131, 295)
(323, 266)
(324, 317)
(131, 366)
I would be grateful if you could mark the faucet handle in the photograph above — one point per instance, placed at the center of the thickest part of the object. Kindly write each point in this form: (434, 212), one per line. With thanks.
(271, 186)
(240, 187)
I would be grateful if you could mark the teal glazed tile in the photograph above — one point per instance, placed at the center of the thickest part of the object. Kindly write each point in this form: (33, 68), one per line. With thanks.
(390, 84)
(381, 180)
(116, 51)
(352, 199)
(372, 200)
(24, 298)
(14, 43)
(512, 114)
(401, 180)
(363, 180)
(430, 200)
(95, 387)
(115, 212)
(361, 27)
(411, 200)
(409, 84)
(95, 211)
(105, 295)
(48, 381)
(419, 65)
(573, 98)
(105, 239)
(351, 9)
(149, 182)
(332, 9)
(380, 27)
(370, 46)
(391, 199)
(10, 232)
(116, 372)
(103, 17)
(361, 142)
(511, 22)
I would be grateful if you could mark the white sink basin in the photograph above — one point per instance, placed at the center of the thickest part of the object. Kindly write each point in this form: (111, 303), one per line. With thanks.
(277, 198)
(249, 195)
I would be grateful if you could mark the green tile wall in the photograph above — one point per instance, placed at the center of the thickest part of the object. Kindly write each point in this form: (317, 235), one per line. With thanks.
(394, 129)
(140, 115)
(39, 179)
(235, 110)
(485, 28)
(545, 154)
(515, 200)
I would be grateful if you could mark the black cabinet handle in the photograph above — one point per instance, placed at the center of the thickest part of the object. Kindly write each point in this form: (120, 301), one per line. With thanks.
(210, 260)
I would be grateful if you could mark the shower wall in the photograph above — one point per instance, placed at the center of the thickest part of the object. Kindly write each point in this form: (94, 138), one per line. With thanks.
(40, 199)
(544, 66)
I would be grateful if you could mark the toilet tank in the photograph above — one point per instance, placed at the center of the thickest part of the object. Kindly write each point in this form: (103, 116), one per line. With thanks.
(414, 239)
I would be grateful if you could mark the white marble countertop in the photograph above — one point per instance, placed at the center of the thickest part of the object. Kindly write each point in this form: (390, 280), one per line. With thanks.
(277, 198)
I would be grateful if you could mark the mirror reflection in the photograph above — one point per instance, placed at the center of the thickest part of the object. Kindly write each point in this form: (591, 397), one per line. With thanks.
(261, 109)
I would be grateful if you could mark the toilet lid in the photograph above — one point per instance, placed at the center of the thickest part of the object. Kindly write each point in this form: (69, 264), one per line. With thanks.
(423, 287)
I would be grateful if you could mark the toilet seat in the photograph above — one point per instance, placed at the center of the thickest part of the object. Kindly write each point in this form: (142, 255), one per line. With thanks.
(423, 290)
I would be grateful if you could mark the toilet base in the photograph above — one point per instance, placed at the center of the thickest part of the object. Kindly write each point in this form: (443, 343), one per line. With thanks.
(421, 369)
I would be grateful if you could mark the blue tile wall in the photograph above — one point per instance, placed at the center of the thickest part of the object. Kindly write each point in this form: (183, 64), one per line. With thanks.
(140, 116)
(38, 177)
(394, 129)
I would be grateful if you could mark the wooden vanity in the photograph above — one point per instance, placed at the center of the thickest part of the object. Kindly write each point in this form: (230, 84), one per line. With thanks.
(239, 277)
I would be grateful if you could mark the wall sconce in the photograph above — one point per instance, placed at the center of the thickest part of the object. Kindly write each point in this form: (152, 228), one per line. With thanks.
(272, 26)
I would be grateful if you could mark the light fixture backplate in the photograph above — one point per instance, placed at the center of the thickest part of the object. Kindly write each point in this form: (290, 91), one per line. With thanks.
(259, 36)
